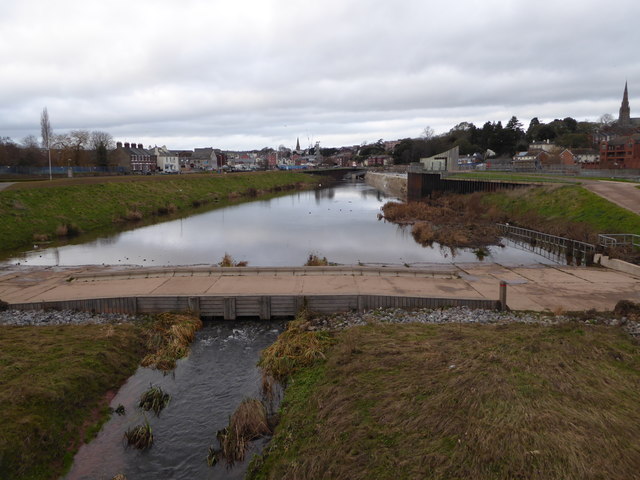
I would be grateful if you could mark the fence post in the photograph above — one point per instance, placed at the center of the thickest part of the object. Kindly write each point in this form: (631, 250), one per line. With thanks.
(503, 295)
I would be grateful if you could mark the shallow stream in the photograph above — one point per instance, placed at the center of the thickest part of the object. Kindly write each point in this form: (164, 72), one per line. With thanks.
(206, 387)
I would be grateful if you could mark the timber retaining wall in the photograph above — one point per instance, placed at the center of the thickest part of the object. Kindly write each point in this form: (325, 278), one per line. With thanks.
(264, 307)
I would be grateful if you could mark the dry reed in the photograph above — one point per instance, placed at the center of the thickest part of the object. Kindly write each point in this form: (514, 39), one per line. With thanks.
(154, 399)
(247, 423)
(140, 436)
(169, 340)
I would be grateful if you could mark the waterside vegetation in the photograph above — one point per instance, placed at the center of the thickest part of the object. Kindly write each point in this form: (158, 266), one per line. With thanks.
(36, 212)
(462, 401)
(57, 382)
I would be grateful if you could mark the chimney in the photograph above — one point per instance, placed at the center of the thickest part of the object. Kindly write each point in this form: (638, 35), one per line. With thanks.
(118, 144)
(126, 144)
(140, 146)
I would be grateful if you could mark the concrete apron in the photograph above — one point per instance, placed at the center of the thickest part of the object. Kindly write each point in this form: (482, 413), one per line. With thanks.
(537, 288)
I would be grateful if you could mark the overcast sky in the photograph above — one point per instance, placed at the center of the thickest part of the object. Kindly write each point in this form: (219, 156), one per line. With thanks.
(244, 74)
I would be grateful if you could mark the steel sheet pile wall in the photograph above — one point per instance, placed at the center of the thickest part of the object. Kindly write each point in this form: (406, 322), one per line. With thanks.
(420, 185)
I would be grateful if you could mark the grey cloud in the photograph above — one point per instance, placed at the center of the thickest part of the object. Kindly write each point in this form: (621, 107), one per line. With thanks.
(229, 74)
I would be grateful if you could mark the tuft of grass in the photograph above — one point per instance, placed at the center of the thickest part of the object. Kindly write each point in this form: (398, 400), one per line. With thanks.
(140, 436)
(169, 340)
(228, 261)
(295, 348)
(247, 423)
(463, 401)
(154, 399)
(316, 261)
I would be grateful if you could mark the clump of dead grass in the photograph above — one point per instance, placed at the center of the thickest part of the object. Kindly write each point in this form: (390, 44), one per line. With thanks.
(295, 348)
(229, 261)
(247, 423)
(140, 436)
(133, 215)
(315, 260)
(450, 220)
(169, 339)
(154, 399)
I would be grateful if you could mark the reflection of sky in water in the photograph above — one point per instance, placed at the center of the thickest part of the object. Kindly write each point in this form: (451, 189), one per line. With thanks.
(339, 223)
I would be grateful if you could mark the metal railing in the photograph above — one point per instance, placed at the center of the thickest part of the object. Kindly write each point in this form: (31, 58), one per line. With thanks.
(573, 251)
(618, 239)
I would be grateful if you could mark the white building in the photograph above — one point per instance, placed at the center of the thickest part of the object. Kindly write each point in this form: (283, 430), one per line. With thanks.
(166, 160)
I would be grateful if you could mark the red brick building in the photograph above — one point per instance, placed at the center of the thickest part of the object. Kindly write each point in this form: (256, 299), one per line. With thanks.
(621, 152)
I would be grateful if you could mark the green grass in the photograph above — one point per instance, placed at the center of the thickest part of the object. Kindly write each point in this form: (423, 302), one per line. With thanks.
(52, 381)
(462, 401)
(44, 210)
(513, 177)
(570, 204)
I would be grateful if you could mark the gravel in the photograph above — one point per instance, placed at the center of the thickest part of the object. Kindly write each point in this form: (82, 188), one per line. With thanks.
(63, 317)
(343, 320)
(464, 315)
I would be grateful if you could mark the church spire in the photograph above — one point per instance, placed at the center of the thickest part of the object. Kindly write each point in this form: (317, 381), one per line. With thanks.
(298, 139)
(624, 118)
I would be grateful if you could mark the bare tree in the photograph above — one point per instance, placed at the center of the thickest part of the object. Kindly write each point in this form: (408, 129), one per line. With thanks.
(101, 139)
(30, 141)
(606, 120)
(45, 129)
(428, 133)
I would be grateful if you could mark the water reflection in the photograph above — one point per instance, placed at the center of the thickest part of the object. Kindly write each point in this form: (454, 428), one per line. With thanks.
(338, 223)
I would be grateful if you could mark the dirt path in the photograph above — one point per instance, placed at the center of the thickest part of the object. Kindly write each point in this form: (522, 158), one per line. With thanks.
(624, 194)
(4, 185)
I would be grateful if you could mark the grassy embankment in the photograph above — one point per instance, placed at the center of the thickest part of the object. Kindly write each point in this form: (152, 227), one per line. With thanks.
(462, 401)
(41, 211)
(470, 220)
(56, 383)
(568, 210)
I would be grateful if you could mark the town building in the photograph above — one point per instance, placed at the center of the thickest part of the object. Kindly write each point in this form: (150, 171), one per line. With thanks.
(166, 160)
(621, 152)
(579, 156)
(133, 157)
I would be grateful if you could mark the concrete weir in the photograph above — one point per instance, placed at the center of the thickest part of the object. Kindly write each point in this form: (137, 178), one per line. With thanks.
(269, 292)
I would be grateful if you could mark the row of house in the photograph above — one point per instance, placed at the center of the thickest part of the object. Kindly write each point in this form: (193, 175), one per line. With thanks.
(137, 159)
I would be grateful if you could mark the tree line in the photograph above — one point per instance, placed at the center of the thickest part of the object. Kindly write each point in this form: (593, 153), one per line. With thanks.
(498, 139)
(77, 147)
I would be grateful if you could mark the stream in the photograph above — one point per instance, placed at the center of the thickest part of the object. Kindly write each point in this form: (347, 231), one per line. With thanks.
(205, 388)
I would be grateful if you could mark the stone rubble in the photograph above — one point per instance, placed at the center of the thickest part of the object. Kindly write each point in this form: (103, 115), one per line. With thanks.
(342, 320)
(40, 318)
(463, 315)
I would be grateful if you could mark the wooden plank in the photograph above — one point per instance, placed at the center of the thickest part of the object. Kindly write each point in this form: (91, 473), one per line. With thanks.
(230, 308)
(265, 308)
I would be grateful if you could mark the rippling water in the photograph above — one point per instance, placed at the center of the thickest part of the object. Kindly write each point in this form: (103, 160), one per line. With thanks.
(205, 389)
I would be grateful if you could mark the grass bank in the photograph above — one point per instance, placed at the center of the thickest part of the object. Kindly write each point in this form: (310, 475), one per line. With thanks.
(568, 210)
(462, 401)
(56, 384)
(513, 177)
(43, 211)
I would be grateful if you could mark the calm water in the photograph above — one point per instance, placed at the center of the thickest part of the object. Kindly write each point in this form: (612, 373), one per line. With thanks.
(205, 389)
(339, 223)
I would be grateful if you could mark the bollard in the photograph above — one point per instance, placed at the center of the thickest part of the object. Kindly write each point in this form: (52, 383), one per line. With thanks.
(503, 295)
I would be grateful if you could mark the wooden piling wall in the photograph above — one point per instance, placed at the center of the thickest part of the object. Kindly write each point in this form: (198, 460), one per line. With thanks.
(253, 306)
